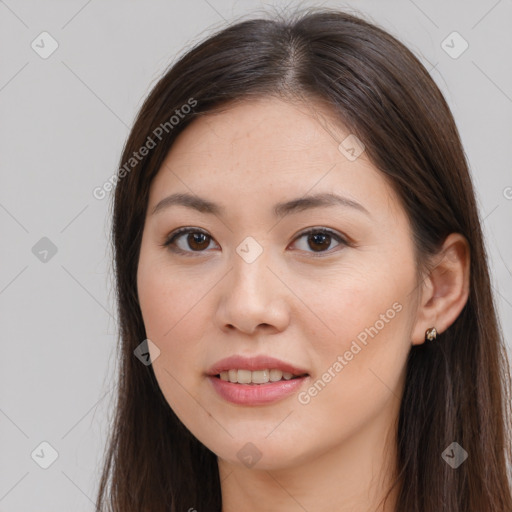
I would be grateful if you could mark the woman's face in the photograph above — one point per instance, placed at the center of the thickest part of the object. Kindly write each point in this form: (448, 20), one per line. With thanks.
(337, 304)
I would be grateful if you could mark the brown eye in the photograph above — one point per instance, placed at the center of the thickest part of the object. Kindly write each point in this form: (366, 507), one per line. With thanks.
(319, 240)
(194, 241)
(197, 241)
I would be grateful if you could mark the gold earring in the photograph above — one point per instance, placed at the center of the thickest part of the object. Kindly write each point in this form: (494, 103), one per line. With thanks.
(430, 334)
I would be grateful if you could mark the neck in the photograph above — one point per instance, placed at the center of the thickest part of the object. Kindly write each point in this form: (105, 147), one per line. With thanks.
(353, 476)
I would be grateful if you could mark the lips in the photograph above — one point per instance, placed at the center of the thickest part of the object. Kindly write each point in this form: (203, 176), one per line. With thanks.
(260, 362)
(255, 394)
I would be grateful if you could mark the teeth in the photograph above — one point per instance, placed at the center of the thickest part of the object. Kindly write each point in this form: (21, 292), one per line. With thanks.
(275, 375)
(255, 377)
(258, 377)
(244, 376)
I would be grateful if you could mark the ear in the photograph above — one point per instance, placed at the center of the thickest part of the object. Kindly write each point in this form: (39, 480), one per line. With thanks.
(445, 291)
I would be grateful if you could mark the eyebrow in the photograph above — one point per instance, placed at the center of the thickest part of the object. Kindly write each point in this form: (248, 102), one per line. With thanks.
(292, 206)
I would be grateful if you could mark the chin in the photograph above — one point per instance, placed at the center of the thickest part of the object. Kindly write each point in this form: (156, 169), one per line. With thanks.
(260, 454)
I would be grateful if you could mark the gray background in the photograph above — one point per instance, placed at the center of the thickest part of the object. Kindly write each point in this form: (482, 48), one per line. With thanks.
(64, 121)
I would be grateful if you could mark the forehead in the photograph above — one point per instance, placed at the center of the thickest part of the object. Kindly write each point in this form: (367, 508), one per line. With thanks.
(270, 128)
(266, 150)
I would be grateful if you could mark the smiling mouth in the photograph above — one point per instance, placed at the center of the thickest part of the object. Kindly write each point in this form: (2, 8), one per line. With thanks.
(256, 377)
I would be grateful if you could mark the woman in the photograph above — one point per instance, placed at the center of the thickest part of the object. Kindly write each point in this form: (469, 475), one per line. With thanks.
(304, 298)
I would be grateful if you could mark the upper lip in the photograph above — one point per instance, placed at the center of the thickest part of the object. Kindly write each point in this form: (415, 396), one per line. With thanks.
(260, 362)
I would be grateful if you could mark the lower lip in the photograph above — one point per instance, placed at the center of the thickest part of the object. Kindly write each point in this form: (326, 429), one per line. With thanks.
(255, 394)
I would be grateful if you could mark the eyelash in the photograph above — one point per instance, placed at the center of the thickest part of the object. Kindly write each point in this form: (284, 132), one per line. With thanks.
(325, 231)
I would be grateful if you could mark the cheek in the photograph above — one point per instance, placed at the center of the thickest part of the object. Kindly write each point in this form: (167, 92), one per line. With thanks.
(170, 313)
(358, 302)
(168, 299)
(362, 365)
(174, 312)
(366, 320)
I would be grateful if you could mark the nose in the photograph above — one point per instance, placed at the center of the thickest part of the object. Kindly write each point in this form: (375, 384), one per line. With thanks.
(253, 298)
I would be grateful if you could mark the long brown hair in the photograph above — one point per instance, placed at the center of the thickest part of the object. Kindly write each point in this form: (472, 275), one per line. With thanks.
(457, 389)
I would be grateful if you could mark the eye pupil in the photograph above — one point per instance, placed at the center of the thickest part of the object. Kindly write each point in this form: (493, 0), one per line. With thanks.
(318, 238)
(193, 239)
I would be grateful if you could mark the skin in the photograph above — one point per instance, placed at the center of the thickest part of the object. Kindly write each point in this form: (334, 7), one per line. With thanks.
(299, 302)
